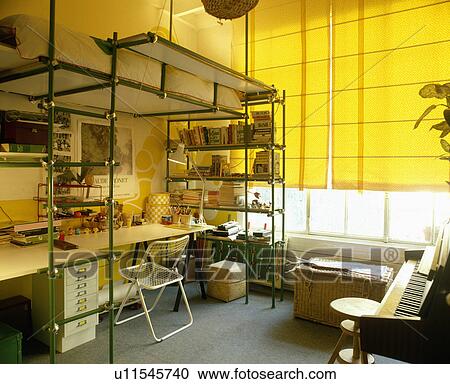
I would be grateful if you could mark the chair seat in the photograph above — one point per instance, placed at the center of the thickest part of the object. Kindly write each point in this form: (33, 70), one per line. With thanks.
(151, 275)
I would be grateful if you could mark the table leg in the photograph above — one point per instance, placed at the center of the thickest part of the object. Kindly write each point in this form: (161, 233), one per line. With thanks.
(191, 248)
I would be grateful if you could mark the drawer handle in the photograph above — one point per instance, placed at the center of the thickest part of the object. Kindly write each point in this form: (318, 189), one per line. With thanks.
(81, 293)
(82, 308)
(84, 285)
(80, 278)
(81, 301)
(81, 323)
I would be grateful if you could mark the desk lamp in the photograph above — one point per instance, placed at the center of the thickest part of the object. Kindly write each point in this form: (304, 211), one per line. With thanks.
(179, 157)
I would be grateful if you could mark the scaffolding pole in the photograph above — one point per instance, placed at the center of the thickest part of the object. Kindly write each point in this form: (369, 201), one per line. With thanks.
(112, 127)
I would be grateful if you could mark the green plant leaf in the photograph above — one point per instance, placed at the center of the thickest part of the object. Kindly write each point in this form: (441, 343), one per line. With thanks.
(435, 90)
(445, 133)
(424, 114)
(442, 126)
(445, 145)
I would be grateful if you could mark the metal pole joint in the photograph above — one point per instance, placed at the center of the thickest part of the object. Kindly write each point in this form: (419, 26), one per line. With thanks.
(110, 115)
(152, 37)
(46, 105)
(163, 96)
(53, 274)
(53, 330)
(109, 163)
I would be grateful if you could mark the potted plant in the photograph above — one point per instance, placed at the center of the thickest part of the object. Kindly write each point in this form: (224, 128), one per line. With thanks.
(438, 91)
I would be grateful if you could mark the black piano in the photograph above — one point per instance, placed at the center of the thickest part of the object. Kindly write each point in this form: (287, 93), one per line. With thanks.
(412, 323)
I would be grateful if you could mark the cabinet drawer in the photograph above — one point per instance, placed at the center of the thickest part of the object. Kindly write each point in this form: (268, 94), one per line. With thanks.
(80, 305)
(80, 325)
(81, 289)
(79, 273)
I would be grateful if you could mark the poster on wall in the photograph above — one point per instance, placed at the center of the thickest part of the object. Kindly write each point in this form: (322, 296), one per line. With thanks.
(94, 147)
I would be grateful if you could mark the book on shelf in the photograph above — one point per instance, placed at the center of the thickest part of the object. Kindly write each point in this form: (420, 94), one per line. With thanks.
(23, 148)
(200, 135)
(213, 197)
(218, 164)
(262, 127)
(262, 165)
(231, 194)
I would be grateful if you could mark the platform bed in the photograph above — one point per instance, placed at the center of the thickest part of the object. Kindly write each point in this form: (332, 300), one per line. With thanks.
(155, 77)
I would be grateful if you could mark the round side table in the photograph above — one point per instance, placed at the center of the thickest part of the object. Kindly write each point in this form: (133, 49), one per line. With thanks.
(352, 308)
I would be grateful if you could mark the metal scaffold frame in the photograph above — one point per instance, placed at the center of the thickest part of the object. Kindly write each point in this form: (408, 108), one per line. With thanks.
(49, 102)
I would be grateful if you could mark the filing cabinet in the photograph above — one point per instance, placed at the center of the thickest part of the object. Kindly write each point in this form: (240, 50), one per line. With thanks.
(76, 293)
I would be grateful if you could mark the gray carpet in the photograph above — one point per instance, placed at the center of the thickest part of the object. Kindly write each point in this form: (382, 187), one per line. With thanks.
(222, 333)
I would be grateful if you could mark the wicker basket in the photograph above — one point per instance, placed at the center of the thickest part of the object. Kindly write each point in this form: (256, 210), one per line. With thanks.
(226, 291)
(228, 9)
(315, 289)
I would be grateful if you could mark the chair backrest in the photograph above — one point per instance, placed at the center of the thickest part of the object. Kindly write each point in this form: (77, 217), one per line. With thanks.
(166, 252)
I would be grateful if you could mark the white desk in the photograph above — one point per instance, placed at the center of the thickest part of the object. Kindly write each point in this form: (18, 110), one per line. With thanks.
(16, 261)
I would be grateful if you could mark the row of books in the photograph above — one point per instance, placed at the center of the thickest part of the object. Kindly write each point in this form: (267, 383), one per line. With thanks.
(201, 135)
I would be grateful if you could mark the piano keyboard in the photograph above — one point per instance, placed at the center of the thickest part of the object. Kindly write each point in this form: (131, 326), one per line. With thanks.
(412, 298)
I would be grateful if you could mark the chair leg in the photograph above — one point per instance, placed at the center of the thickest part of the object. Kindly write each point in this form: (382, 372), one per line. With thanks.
(116, 322)
(122, 304)
(337, 349)
(147, 315)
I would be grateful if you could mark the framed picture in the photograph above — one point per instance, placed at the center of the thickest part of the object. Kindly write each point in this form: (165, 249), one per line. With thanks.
(94, 147)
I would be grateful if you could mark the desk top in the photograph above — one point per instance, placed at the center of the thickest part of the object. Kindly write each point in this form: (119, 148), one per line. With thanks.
(16, 261)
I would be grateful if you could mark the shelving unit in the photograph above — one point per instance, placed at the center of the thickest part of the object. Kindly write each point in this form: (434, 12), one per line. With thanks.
(246, 178)
(61, 198)
(74, 89)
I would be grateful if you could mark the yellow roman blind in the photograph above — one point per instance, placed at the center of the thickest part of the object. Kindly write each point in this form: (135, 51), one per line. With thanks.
(383, 52)
(352, 70)
(289, 47)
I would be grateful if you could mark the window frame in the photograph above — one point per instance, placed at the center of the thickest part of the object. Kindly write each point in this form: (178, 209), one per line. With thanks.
(385, 238)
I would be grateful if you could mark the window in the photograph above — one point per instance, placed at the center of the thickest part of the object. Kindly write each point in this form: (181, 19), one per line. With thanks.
(411, 216)
(365, 213)
(329, 211)
(398, 216)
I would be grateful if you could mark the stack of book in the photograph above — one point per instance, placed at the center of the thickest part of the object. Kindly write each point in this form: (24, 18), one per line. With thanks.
(196, 136)
(218, 165)
(230, 228)
(262, 235)
(213, 197)
(33, 233)
(231, 194)
(262, 127)
(23, 148)
(6, 234)
(262, 165)
(192, 196)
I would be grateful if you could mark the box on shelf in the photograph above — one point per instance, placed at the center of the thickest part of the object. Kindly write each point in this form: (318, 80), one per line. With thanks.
(319, 281)
(227, 280)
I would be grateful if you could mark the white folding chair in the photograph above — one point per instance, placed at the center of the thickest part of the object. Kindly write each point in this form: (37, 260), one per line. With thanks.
(148, 274)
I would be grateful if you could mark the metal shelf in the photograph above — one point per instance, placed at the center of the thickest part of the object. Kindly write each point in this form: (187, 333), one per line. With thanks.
(269, 180)
(231, 147)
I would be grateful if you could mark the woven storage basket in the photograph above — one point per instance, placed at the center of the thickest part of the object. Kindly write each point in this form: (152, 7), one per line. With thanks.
(315, 289)
(157, 206)
(228, 9)
(226, 291)
(227, 280)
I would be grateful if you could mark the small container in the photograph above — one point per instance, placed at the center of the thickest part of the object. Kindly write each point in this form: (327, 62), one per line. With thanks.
(166, 219)
(185, 219)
